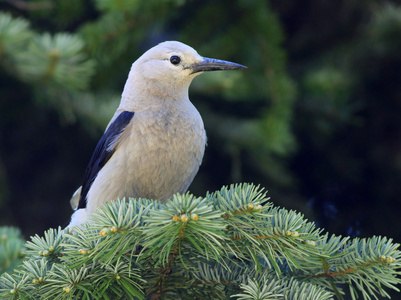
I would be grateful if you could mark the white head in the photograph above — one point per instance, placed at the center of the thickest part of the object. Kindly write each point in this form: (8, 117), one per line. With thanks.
(169, 68)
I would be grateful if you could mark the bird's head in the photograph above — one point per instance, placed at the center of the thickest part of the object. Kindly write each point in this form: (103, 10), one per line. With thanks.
(172, 65)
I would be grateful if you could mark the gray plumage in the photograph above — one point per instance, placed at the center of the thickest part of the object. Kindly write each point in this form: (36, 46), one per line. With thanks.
(154, 144)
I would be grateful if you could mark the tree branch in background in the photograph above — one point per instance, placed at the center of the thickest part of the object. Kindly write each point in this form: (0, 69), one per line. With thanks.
(31, 5)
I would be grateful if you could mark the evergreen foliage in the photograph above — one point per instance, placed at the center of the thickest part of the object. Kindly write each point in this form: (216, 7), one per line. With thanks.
(231, 243)
(11, 248)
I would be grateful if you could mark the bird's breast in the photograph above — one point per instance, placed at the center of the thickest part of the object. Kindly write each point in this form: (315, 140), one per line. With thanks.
(165, 152)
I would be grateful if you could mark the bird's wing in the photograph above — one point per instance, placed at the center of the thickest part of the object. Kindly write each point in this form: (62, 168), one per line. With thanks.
(103, 152)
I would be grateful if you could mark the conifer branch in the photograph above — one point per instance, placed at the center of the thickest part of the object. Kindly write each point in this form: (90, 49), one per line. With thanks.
(223, 245)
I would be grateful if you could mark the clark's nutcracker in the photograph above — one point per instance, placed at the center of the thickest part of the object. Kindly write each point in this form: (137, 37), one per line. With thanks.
(154, 144)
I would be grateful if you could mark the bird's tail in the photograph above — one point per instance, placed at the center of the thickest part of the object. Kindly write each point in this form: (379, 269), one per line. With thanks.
(75, 198)
(79, 217)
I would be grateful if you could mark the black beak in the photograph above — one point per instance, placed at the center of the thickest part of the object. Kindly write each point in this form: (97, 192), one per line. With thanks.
(211, 64)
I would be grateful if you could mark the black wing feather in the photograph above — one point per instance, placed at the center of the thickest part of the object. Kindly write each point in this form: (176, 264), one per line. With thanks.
(102, 153)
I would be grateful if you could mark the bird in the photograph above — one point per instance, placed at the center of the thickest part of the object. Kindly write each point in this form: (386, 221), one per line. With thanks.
(154, 144)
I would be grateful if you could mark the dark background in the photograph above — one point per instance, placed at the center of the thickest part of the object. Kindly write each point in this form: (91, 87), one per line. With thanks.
(315, 119)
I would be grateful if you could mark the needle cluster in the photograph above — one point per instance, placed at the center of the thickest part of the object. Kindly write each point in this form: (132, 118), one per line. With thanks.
(231, 243)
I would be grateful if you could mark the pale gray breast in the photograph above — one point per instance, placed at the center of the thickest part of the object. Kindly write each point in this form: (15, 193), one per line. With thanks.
(165, 152)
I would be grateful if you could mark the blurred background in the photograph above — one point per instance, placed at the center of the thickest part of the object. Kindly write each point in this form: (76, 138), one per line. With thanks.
(315, 119)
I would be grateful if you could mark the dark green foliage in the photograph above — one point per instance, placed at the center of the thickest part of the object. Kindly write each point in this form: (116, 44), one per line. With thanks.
(348, 118)
(11, 248)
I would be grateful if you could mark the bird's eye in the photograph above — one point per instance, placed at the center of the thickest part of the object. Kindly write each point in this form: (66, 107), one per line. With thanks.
(175, 60)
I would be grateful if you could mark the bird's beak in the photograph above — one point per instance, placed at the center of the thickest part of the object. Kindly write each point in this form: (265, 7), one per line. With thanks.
(211, 64)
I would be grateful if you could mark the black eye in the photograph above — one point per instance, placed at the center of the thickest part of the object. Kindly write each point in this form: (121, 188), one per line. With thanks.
(175, 60)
